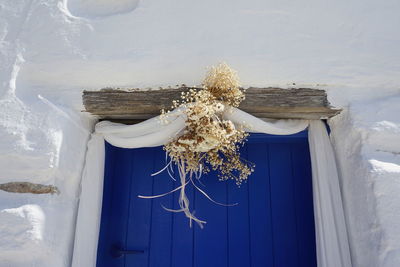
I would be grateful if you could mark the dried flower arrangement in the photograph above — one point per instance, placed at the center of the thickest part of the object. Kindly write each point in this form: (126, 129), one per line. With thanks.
(208, 141)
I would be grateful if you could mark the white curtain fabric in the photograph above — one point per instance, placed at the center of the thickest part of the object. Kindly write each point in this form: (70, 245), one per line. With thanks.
(330, 227)
(90, 203)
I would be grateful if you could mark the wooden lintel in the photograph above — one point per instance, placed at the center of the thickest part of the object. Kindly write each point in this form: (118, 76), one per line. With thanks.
(302, 103)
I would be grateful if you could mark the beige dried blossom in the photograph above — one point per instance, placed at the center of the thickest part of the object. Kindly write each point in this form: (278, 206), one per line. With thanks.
(223, 84)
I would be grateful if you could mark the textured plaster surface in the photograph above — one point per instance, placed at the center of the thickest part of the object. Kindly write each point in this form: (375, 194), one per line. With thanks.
(50, 50)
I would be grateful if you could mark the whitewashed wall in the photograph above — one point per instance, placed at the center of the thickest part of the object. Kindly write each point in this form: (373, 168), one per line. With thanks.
(50, 50)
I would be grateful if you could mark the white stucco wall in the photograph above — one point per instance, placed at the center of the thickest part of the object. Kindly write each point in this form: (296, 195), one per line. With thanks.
(50, 50)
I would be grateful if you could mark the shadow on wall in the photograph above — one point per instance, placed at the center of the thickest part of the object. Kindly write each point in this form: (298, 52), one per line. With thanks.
(100, 8)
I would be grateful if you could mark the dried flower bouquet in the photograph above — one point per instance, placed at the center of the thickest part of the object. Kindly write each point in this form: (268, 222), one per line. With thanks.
(208, 141)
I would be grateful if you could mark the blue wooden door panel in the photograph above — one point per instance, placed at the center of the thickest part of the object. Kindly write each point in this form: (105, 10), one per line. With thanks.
(214, 235)
(103, 249)
(238, 223)
(162, 222)
(284, 216)
(272, 225)
(303, 204)
(260, 213)
(140, 210)
(115, 206)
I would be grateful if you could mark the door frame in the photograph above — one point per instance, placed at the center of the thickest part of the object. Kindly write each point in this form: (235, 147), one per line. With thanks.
(92, 188)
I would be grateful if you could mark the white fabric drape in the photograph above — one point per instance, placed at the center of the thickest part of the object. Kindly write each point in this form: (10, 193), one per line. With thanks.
(330, 227)
(269, 126)
(149, 133)
(90, 203)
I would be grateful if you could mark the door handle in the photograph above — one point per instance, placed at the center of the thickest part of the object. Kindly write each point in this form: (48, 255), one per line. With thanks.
(117, 252)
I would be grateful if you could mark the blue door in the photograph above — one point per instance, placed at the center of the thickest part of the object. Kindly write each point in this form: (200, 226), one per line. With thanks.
(272, 225)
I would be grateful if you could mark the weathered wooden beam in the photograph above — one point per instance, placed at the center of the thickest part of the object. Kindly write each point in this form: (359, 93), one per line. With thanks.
(302, 103)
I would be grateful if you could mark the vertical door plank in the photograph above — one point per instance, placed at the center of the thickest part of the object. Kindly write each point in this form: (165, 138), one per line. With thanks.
(304, 204)
(261, 239)
(119, 202)
(238, 222)
(210, 243)
(282, 203)
(161, 229)
(140, 209)
(114, 167)
(182, 234)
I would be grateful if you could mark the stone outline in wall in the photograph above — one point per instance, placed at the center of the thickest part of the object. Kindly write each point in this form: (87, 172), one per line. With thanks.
(26, 187)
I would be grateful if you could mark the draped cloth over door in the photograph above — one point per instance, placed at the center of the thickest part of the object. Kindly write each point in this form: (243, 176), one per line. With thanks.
(331, 233)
